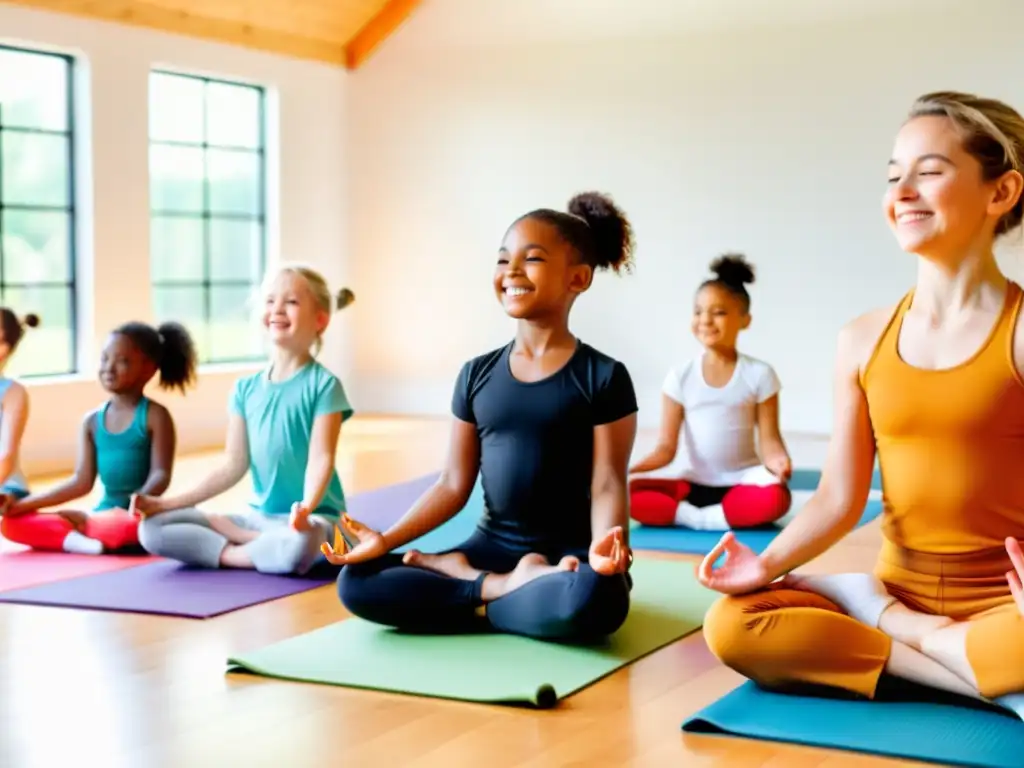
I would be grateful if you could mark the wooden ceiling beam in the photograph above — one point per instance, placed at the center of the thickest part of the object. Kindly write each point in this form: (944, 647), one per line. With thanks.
(189, 24)
(377, 30)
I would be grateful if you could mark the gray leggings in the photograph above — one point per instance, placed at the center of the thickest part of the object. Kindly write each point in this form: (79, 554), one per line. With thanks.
(186, 535)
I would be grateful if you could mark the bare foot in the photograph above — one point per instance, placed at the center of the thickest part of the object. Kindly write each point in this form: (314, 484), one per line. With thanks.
(453, 564)
(529, 567)
(77, 520)
(231, 531)
(862, 595)
(233, 556)
(910, 627)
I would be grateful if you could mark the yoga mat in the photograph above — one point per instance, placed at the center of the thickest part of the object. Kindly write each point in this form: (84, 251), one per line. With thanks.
(456, 530)
(166, 588)
(25, 568)
(688, 541)
(382, 507)
(911, 722)
(667, 603)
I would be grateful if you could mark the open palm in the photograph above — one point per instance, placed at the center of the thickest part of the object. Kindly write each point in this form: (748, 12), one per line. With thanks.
(743, 570)
(370, 544)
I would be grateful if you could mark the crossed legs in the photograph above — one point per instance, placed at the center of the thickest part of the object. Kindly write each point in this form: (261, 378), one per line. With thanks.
(482, 584)
(985, 650)
(73, 531)
(260, 542)
(758, 499)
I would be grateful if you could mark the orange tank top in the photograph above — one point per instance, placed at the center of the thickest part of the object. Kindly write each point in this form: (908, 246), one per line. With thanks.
(950, 442)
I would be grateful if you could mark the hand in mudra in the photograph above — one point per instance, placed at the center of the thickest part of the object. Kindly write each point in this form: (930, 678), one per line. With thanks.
(370, 544)
(609, 554)
(781, 466)
(1016, 576)
(743, 570)
(142, 505)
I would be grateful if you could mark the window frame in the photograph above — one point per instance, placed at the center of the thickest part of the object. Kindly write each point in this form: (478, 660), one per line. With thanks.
(71, 286)
(207, 284)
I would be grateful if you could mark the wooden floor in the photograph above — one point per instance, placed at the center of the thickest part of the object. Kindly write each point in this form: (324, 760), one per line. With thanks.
(129, 691)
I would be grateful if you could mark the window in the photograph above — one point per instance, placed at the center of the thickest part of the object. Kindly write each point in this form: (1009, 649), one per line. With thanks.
(37, 206)
(207, 198)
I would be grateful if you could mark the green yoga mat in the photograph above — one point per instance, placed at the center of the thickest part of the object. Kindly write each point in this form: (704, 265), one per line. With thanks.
(905, 721)
(667, 604)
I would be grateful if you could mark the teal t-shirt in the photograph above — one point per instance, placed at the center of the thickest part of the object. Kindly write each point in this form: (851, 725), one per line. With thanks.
(16, 484)
(122, 458)
(279, 420)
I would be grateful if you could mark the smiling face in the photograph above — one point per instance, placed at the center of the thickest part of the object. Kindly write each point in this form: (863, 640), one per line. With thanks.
(123, 367)
(293, 318)
(537, 272)
(718, 317)
(938, 202)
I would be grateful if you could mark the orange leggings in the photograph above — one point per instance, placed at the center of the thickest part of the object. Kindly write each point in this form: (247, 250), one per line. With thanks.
(781, 638)
(114, 528)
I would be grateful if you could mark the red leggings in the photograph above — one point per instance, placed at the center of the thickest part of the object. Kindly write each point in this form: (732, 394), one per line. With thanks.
(654, 501)
(114, 528)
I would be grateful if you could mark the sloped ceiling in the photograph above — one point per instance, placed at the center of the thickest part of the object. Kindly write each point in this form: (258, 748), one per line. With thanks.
(344, 32)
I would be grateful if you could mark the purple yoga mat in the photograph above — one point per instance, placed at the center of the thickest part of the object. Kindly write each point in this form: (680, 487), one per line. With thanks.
(167, 588)
(171, 589)
(380, 508)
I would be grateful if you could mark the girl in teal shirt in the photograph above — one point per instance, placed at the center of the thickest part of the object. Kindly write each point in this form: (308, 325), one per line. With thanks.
(283, 428)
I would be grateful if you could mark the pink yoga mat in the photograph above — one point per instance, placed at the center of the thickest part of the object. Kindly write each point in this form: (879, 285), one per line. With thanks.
(23, 568)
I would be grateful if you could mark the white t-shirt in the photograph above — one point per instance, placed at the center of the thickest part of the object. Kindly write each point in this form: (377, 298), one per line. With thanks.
(719, 422)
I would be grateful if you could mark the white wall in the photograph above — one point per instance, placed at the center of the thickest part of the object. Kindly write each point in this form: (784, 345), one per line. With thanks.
(772, 140)
(307, 207)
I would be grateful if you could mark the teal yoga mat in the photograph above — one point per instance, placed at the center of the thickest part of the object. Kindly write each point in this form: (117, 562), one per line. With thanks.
(667, 604)
(688, 541)
(906, 722)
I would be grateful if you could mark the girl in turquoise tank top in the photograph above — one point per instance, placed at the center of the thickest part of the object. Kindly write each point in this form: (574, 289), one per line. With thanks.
(128, 443)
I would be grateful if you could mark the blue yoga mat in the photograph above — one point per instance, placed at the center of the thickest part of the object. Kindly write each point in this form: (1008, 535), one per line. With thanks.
(456, 530)
(910, 722)
(686, 540)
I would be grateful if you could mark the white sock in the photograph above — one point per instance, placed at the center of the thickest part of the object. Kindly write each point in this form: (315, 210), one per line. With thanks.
(711, 518)
(78, 544)
(1013, 702)
(861, 595)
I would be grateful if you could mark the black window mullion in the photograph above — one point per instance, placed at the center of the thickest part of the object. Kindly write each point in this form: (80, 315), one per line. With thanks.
(69, 210)
(207, 283)
(72, 219)
(261, 141)
(207, 308)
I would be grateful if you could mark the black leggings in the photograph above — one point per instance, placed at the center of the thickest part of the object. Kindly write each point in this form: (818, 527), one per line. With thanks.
(570, 606)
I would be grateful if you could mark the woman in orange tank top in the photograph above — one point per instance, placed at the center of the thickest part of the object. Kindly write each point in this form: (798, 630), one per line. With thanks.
(935, 388)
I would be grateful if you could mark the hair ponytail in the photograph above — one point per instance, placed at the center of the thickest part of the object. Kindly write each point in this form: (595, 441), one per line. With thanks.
(343, 298)
(169, 347)
(178, 358)
(13, 327)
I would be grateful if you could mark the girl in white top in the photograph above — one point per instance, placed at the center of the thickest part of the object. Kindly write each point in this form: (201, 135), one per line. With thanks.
(718, 401)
